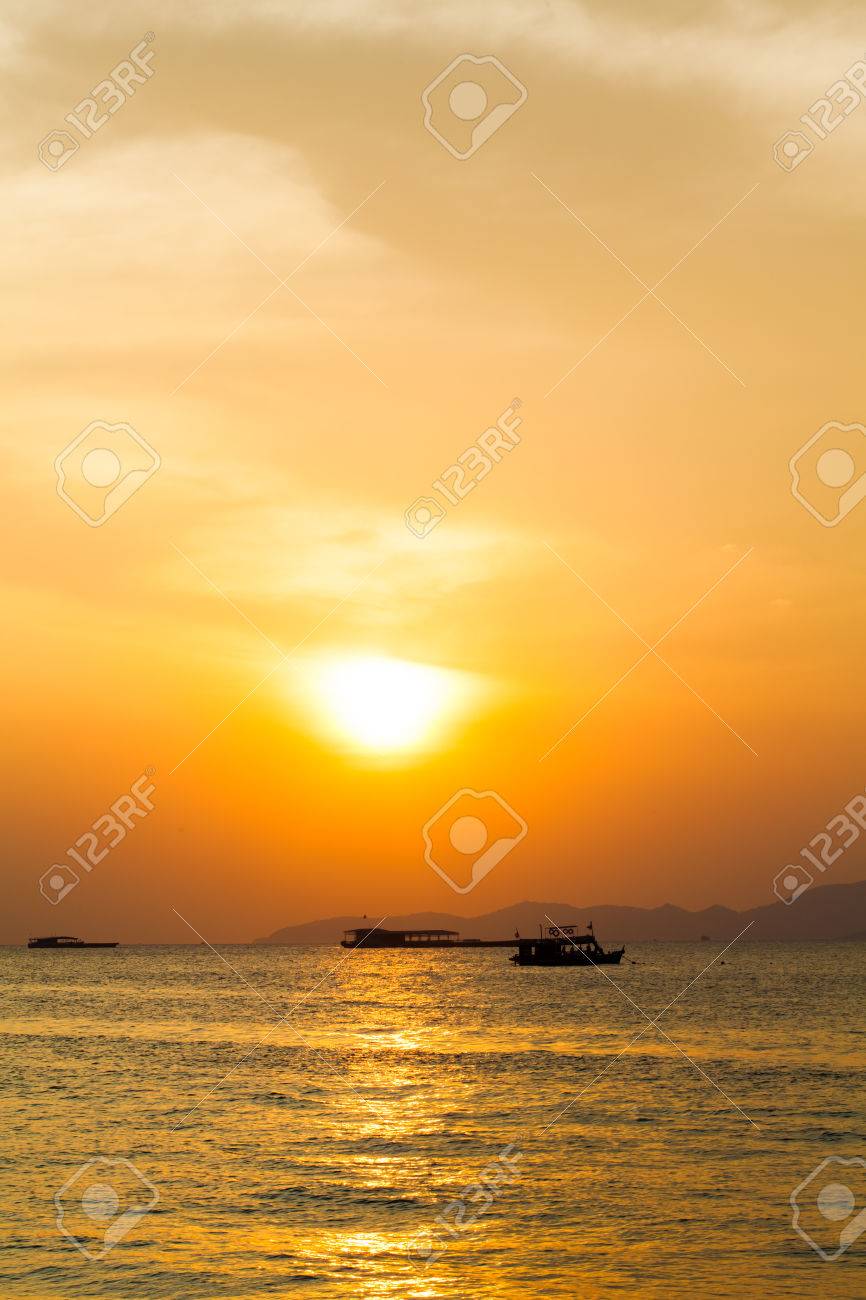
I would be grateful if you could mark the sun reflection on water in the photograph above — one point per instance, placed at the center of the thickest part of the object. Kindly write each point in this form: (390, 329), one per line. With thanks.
(322, 1151)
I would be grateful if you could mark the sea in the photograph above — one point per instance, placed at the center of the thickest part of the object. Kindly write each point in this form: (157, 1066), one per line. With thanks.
(244, 1122)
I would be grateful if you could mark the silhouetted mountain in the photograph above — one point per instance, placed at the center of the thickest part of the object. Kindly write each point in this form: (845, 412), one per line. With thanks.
(822, 912)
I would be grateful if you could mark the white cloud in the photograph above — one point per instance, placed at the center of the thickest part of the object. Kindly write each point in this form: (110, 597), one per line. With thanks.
(134, 205)
(763, 50)
(126, 253)
(265, 552)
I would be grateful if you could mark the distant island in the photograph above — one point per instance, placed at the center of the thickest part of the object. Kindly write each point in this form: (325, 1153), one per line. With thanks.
(823, 912)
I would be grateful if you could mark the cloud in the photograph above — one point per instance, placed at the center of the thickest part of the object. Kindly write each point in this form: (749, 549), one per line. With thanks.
(134, 203)
(268, 553)
(766, 50)
(120, 235)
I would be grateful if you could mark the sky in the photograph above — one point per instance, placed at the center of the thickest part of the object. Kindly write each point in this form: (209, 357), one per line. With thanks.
(306, 306)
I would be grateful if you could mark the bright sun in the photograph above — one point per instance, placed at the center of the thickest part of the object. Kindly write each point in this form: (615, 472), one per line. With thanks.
(381, 704)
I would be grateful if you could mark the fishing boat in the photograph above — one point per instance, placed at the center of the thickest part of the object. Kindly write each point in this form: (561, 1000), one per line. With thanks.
(564, 945)
(64, 941)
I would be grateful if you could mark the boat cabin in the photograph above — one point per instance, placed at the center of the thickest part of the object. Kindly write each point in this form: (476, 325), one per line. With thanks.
(564, 945)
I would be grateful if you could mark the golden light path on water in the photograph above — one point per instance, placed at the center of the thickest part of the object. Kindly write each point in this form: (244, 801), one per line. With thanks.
(396, 1135)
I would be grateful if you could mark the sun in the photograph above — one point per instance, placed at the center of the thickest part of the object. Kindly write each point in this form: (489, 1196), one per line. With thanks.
(383, 705)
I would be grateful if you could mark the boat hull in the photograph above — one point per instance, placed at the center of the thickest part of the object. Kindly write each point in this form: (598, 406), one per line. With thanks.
(609, 959)
(584, 950)
(68, 947)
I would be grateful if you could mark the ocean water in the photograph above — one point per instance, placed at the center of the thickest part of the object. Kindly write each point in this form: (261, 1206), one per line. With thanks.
(310, 1122)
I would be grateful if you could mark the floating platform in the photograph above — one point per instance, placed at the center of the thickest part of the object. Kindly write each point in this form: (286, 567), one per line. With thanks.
(63, 941)
(375, 937)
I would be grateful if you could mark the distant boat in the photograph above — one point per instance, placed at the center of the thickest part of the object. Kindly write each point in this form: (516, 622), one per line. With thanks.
(55, 941)
(375, 937)
(564, 946)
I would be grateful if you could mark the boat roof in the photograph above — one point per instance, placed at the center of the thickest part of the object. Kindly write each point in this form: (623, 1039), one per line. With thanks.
(377, 929)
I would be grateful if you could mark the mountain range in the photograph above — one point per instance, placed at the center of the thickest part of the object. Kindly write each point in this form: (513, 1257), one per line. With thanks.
(820, 912)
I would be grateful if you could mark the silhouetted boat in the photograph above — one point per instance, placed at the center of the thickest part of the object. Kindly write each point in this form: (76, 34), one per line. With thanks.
(564, 946)
(55, 941)
(375, 937)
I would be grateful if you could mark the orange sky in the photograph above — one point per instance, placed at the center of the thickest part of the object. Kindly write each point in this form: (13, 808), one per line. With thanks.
(296, 424)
